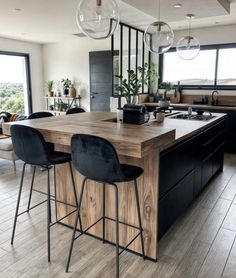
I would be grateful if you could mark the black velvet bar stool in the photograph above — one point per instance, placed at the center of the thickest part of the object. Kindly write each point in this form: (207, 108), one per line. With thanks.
(30, 146)
(96, 159)
(32, 116)
(75, 110)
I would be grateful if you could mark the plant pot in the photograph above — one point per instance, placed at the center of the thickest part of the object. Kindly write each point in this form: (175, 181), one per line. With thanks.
(66, 92)
(164, 103)
(50, 94)
(72, 92)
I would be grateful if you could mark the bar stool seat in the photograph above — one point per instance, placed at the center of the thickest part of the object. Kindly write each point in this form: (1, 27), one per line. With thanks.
(58, 157)
(31, 148)
(130, 172)
(96, 159)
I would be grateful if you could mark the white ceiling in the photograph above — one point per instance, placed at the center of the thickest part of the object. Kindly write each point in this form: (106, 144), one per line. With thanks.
(45, 21)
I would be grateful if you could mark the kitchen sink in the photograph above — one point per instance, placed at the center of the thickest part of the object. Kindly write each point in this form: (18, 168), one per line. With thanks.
(193, 117)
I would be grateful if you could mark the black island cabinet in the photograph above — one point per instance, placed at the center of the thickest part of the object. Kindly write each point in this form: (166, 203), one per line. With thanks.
(185, 170)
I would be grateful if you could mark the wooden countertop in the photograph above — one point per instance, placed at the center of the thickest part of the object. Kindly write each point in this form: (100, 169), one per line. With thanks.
(129, 140)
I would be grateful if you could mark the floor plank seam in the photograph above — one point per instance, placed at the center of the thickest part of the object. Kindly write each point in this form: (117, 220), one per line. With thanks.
(228, 256)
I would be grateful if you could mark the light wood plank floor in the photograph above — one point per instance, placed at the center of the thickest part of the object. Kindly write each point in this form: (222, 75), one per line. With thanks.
(200, 244)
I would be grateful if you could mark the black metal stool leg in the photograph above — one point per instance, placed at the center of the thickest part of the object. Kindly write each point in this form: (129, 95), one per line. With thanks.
(139, 217)
(48, 216)
(18, 203)
(117, 231)
(76, 223)
(104, 213)
(31, 188)
(75, 194)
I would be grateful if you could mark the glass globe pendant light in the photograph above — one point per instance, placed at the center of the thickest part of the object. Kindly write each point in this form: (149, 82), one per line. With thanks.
(158, 36)
(98, 19)
(188, 47)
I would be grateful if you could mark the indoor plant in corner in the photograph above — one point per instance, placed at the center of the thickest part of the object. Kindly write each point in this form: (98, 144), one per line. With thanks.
(165, 101)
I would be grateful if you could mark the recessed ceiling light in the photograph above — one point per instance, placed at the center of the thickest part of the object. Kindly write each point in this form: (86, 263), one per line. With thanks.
(177, 5)
(17, 10)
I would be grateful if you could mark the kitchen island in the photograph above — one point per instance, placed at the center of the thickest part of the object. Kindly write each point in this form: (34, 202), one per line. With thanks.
(137, 145)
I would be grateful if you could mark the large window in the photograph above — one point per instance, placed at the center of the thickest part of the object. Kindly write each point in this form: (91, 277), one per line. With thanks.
(15, 96)
(212, 68)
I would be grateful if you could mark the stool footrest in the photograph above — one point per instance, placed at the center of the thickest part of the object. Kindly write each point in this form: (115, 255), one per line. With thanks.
(31, 207)
(121, 222)
(52, 224)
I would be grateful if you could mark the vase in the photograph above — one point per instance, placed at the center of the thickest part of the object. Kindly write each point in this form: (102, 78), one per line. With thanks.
(72, 92)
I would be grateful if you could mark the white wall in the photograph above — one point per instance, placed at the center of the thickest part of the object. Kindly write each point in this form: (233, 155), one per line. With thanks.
(211, 35)
(36, 66)
(70, 59)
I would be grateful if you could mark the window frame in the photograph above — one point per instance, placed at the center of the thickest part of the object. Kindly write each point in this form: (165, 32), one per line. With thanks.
(216, 47)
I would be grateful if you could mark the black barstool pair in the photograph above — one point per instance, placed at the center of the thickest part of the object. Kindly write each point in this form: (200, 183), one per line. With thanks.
(96, 159)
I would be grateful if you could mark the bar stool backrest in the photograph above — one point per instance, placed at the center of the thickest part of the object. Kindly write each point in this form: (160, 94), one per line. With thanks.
(29, 145)
(95, 158)
(75, 110)
(42, 114)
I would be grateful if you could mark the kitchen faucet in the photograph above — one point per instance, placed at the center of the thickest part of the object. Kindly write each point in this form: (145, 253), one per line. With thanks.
(214, 100)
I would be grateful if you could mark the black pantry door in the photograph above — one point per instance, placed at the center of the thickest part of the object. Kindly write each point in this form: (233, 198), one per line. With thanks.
(100, 69)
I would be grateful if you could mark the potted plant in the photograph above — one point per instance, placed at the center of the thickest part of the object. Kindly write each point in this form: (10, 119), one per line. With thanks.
(130, 87)
(66, 85)
(49, 87)
(51, 107)
(165, 101)
(152, 80)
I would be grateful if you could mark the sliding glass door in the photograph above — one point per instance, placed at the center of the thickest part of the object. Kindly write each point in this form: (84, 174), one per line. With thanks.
(15, 88)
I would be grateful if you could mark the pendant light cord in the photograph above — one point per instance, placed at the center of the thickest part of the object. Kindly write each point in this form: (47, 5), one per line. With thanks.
(189, 28)
(159, 10)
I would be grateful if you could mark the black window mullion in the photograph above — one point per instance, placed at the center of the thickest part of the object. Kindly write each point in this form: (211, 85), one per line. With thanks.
(216, 67)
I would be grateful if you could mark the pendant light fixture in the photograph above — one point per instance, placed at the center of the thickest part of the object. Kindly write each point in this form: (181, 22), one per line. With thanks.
(188, 47)
(98, 19)
(158, 36)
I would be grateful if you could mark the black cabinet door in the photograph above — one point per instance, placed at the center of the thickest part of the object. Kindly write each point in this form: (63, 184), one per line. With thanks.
(174, 203)
(100, 69)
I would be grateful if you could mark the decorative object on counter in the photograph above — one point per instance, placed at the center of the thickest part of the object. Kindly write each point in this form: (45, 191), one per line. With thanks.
(98, 19)
(135, 114)
(158, 36)
(66, 85)
(130, 87)
(214, 98)
(49, 87)
(176, 98)
(72, 91)
(204, 100)
(119, 115)
(188, 47)
(160, 116)
(165, 101)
